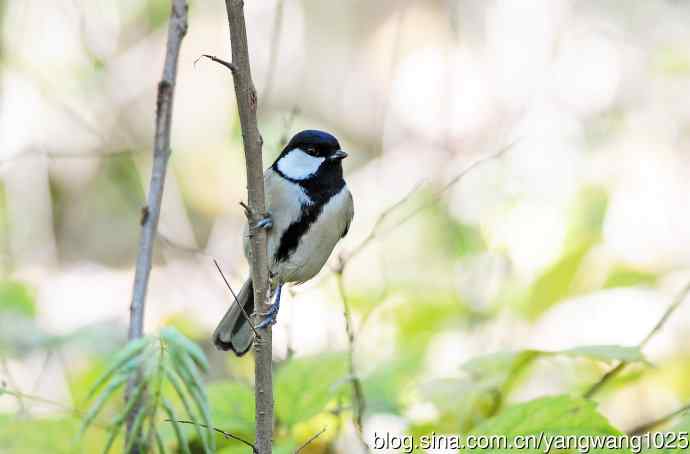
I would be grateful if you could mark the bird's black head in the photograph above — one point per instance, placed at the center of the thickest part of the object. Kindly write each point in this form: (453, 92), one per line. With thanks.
(311, 154)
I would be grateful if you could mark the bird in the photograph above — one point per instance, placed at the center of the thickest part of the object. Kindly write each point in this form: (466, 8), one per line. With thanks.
(309, 209)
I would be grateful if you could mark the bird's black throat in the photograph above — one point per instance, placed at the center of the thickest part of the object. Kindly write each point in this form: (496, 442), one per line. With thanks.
(320, 188)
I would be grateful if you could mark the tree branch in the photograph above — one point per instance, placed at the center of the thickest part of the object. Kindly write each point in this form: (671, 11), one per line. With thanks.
(247, 105)
(226, 435)
(659, 325)
(177, 29)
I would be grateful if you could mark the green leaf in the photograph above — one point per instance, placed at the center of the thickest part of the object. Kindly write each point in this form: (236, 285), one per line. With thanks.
(623, 276)
(176, 339)
(178, 385)
(607, 353)
(559, 415)
(131, 350)
(187, 370)
(306, 385)
(182, 442)
(232, 407)
(159, 442)
(135, 431)
(17, 298)
(97, 406)
(555, 284)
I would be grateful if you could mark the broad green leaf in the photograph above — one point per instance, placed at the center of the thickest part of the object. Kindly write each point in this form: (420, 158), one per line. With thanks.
(384, 387)
(174, 337)
(555, 284)
(131, 350)
(558, 415)
(305, 385)
(232, 406)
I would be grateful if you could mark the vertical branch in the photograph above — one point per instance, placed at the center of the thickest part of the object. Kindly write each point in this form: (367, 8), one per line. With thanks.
(247, 105)
(177, 29)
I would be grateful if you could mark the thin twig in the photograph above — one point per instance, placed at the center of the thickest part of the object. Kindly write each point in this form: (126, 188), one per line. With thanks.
(376, 230)
(227, 64)
(177, 29)
(246, 316)
(225, 434)
(359, 402)
(313, 437)
(678, 300)
(247, 104)
(64, 407)
(647, 427)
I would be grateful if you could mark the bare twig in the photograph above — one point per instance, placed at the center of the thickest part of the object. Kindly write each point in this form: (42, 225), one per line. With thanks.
(376, 230)
(359, 402)
(247, 106)
(227, 64)
(648, 426)
(311, 439)
(64, 407)
(246, 316)
(677, 301)
(177, 29)
(226, 435)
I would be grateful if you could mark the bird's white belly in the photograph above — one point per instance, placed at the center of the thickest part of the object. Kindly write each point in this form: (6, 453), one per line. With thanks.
(317, 243)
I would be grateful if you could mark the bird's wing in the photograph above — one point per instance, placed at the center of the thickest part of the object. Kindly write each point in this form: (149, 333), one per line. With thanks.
(349, 213)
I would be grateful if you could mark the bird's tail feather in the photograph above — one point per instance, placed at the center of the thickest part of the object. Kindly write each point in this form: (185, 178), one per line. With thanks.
(234, 332)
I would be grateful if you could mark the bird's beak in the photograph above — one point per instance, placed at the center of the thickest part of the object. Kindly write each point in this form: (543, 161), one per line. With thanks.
(338, 155)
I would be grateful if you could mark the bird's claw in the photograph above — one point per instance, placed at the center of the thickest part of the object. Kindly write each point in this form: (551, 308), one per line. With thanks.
(266, 223)
(270, 317)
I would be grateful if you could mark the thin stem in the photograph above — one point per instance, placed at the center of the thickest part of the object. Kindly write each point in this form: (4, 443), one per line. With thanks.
(177, 29)
(677, 301)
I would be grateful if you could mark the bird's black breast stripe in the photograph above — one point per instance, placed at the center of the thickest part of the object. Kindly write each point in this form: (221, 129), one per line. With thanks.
(292, 235)
(319, 192)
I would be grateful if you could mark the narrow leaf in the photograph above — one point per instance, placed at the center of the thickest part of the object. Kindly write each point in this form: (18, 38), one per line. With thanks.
(179, 432)
(177, 339)
(131, 350)
(159, 442)
(177, 384)
(194, 384)
(96, 408)
(136, 429)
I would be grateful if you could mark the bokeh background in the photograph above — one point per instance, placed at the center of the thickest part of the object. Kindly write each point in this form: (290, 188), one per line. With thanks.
(576, 233)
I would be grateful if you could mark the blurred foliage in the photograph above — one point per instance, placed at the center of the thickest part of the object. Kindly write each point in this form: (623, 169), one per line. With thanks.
(162, 367)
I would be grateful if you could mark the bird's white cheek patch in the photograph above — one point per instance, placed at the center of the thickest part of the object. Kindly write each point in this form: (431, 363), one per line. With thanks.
(299, 165)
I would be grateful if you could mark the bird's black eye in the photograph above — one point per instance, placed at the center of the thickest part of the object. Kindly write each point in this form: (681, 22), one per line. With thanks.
(311, 150)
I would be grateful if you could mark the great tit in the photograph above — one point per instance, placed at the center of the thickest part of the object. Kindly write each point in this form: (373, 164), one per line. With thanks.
(309, 210)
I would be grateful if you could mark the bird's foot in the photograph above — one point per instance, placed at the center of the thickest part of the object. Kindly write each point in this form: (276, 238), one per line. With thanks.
(266, 223)
(270, 317)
